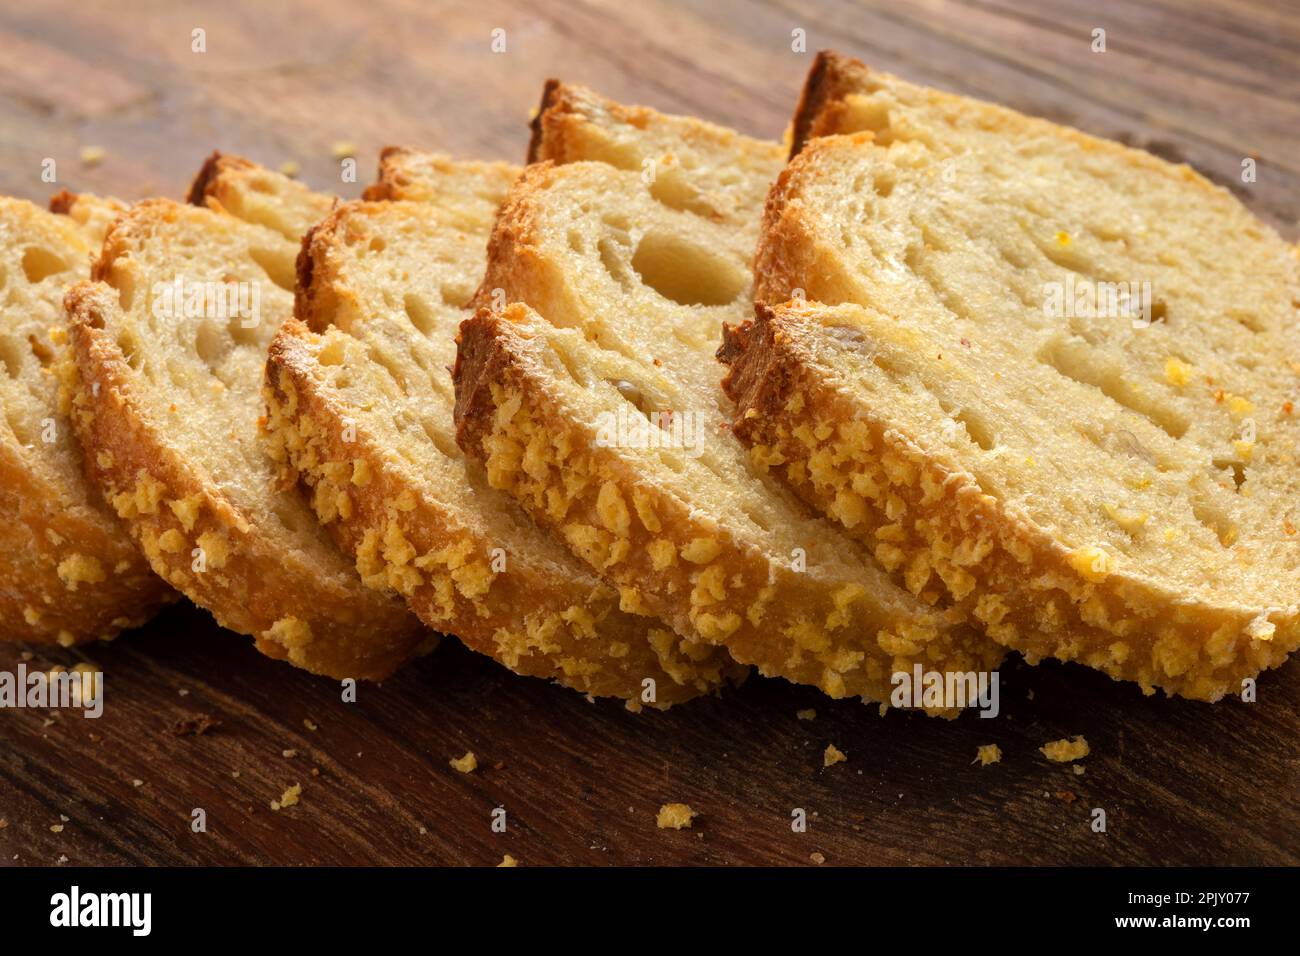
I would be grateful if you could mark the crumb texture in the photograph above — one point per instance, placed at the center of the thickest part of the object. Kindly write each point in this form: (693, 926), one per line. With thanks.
(169, 339)
(360, 413)
(593, 400)
(1034, 415)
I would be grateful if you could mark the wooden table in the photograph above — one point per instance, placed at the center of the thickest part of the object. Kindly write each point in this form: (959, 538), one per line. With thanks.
(1211, 83)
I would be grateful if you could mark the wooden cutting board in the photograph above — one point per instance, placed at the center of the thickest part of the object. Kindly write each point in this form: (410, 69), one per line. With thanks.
(1211, 83)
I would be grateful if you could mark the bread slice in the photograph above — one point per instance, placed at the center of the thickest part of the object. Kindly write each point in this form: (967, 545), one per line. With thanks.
(255, 194)
(1111, 485)
(618, 279)
(472, 190)
(360, 404)
(170, 340)
(68, 571)
(93, 214)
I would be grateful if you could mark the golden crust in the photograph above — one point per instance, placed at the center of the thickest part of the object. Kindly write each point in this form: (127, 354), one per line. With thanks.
(558, 624)
(253, 579)
(660, 551)
(535, 610)
(70, 573)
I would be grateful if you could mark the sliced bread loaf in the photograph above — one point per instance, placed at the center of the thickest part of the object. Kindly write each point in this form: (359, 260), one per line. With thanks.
(594, 400)
(68, 570)
(1047, 375)
(360, 405)
(169, 341)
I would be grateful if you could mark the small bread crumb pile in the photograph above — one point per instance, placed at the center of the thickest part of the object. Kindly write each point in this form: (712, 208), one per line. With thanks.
(675, 816)
(987, 754)
(1063, 751)
(289, 798)
(465, 764)
(833, 755)
(507, 860)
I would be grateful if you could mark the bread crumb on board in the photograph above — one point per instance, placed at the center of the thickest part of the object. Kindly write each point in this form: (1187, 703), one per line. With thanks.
(507, 860)
(809, 714)
(465, 764)
(833, 755)
(987, 754)
(817, 857)
(1065, 750)
(675, 816)
(289, 798)
(92, 155)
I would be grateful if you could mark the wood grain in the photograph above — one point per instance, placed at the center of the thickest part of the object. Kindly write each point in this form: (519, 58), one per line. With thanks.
(1211, 83)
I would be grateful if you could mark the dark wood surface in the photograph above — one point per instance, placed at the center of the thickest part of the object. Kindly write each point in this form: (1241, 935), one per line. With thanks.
(1208, 82)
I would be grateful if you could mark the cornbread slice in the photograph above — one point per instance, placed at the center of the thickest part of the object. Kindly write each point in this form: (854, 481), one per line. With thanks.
(169, 341)
(68, 571)
(1106, 480)
(617, 280)
(360, 404)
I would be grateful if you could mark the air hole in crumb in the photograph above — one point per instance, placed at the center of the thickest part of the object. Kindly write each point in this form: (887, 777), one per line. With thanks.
(418, 311)
(130, 349)
(612, 257)
(675, 191)
(561, 361)
(630, 392)
(44, 354)
(978, 429)
(455, 296)
(1236, 468)
(39, 264)
(13, 360)
(686, 273)
(445, 444)
(279, 268)
(1213, 518)
(1083, 365)
(293, 516)
(209, 342)
(1243, 317)
(755, 516)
